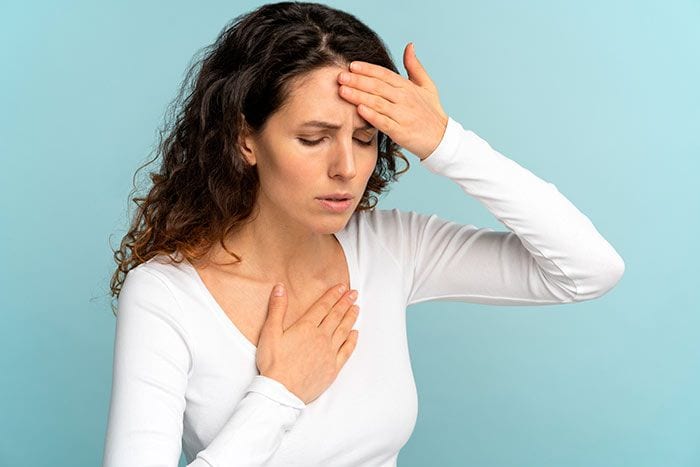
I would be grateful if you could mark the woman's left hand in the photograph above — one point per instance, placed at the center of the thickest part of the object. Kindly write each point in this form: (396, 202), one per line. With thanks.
(406, 110)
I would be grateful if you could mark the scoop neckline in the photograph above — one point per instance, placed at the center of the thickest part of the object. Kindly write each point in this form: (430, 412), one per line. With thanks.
(236, 333)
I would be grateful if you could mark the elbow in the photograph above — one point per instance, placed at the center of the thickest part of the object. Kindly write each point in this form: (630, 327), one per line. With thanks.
(606, 277)
(613, 273)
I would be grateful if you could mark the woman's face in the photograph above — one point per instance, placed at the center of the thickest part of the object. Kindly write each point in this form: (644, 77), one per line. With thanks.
(298, 162)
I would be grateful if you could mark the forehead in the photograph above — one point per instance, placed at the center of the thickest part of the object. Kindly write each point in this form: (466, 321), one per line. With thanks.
(314, 96)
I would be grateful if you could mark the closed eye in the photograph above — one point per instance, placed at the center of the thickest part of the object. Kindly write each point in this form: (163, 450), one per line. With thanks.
(308, 142)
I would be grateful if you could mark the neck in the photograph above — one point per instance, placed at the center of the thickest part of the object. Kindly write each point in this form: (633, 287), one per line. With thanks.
(273, 248)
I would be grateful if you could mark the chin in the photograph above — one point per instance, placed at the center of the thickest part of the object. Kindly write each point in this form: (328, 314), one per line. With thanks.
(329, 225)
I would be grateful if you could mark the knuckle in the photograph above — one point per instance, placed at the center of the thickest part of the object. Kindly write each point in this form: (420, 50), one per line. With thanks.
(325, 304)
(378, 103)
(337, 312)
(349, 321)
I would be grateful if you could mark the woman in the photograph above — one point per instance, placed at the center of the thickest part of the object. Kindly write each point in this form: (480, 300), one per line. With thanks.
(208, 356)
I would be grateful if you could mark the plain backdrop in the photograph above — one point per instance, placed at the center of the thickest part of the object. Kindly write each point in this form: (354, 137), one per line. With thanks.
(600, 98)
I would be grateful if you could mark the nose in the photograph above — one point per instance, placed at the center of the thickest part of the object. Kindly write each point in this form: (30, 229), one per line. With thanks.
(343, 159)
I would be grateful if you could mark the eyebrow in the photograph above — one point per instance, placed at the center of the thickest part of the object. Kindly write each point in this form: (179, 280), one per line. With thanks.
(332, 126)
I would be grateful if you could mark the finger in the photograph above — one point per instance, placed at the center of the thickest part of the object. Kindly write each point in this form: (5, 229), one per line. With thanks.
(340, 309)
(379, 121)
(346, 349)
(276, 309)
(416, 71)
(370, 85)
(324, 304)
(378, 71)
(377, 103)
(345, 326)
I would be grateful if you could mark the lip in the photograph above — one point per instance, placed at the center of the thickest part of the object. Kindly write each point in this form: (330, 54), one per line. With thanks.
(337, 195)
(335, 206)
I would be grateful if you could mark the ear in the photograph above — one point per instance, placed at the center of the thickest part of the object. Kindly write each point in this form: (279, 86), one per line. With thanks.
(246, 142)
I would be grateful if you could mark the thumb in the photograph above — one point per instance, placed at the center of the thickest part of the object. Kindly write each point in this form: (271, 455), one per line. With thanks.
(276, 309)
(416, 71)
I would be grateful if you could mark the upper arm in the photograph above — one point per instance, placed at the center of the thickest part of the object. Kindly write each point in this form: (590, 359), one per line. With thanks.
(452, 261)
(446, 260)
(152, 360)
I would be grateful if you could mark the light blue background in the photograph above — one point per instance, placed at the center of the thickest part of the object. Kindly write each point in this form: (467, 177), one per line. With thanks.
(600, 98)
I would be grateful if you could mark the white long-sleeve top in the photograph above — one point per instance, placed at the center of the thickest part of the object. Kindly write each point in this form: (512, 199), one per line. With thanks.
(185, 377)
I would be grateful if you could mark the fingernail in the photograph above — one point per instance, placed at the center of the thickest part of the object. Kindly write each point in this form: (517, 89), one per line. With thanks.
(342, 289)
(278, 290)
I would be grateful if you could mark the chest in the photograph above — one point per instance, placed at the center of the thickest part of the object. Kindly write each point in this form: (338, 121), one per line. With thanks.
(369, 411)
(363, 418)
(245, 302)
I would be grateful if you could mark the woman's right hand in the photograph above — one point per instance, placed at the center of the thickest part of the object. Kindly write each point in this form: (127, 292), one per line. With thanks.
(308, 356)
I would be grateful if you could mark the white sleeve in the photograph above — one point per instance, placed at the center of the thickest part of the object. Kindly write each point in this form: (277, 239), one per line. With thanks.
(153, 360)
(551, 254)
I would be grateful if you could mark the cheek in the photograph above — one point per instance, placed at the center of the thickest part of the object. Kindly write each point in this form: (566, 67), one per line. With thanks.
(368, 168)
(279, 176)
(292, 177)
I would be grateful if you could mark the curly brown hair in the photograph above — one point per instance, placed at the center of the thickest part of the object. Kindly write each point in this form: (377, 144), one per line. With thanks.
(205, 187)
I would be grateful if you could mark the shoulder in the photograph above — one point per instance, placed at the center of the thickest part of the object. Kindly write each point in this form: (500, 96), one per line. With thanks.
(159, 278)
(173, 271)
(146, 281)
(150, 319)
(391, 223)
(393, 231)
(153, 292)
